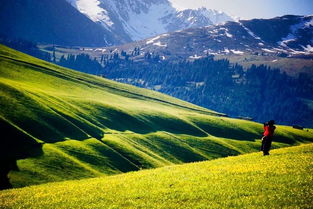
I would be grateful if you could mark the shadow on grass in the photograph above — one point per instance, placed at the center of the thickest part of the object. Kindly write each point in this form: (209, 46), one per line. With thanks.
(120, 120)
(91, 130)
(231, 132)
(33, 116)
(14, 145)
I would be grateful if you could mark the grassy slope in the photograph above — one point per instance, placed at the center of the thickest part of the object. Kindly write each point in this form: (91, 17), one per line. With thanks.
(62, 124)
(281, 180)
(292, 66)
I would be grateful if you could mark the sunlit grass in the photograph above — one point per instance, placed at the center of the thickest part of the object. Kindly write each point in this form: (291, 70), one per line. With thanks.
(282, 180)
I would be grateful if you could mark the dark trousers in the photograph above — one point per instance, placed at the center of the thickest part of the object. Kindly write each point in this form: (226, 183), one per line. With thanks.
(266, 145)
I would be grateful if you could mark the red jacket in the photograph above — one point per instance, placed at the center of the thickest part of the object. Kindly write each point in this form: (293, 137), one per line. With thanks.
(269, 130)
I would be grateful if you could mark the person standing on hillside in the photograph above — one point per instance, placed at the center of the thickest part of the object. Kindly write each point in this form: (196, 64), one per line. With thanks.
(269, 129)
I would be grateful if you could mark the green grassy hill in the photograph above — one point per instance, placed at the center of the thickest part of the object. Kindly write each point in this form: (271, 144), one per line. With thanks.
(58, 124)
(281, 180)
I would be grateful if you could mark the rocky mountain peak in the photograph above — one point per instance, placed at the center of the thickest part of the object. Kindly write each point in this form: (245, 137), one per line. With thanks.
(134, 20)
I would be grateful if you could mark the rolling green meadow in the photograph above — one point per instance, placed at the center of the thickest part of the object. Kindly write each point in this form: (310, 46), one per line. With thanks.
(282, 180)
(60, 125)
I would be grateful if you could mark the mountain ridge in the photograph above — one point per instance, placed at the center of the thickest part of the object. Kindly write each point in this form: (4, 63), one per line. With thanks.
(283, 36)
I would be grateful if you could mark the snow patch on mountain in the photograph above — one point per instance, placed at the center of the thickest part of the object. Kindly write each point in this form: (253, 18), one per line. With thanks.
(159, 44)
(268, 50)
(147, 24)
(152, 40)
(290, 38)
(308, 48)
(250, 32)
(238, 52)
(306, 23)
(224, 31)
(228, 34)
(93, 10)
(310, 22)
(195, 56)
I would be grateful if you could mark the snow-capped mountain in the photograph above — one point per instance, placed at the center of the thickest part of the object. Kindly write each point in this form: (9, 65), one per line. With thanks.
(134, 20)
(284, 36)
